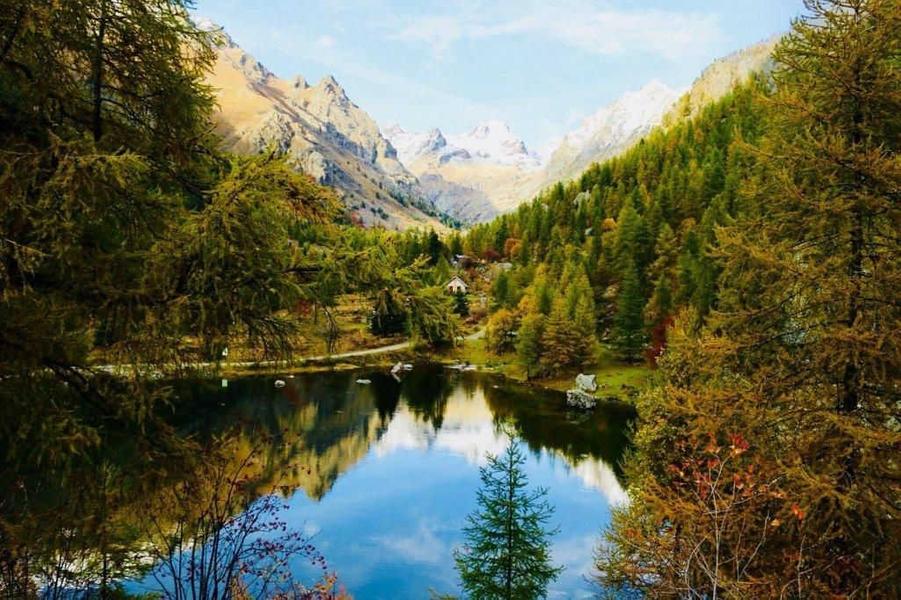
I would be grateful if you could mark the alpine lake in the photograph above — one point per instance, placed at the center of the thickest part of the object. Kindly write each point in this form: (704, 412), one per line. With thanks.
(380, 472)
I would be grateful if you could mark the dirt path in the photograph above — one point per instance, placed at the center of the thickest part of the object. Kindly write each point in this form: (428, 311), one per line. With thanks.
(299, 361)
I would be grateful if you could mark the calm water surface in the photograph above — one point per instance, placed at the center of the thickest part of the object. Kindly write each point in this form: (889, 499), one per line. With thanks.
(385, 474)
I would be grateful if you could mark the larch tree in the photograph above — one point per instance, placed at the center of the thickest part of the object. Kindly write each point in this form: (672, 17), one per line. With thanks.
(783, 408)
(562, 344)
(506, 555)
(811, 285)
(528, 342)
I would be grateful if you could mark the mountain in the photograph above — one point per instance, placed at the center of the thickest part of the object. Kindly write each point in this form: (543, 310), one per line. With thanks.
(493, 171)
(722, 75)
(472, 176)
(489, 142)
(400, 179)
(322, 132)
(610, 130)
(475, 176)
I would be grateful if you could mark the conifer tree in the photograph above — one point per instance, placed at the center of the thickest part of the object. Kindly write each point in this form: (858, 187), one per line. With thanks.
(500, 289)
(788, 399)
(812, 280)
(528, 342)
(562, 344)
(507, 551)
(461, 305)
(628, 336)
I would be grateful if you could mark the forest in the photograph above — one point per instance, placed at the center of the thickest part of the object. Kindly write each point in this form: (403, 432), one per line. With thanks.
(613, 256)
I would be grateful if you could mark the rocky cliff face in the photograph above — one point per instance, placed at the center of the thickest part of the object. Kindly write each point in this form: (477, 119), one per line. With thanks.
(323, 133)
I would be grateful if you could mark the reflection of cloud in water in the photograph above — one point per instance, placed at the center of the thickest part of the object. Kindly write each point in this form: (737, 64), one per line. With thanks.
(422, 546)
(576, 555)
(466, 430)
(598, 475)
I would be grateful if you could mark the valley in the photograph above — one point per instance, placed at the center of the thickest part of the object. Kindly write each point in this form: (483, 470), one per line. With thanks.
(506, 301)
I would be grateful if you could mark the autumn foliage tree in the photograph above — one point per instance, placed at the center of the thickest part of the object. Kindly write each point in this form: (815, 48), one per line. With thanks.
(801, 357)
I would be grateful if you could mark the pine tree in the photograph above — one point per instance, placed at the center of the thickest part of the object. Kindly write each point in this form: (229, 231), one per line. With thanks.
(461, 305)
(628, 336)
(507, 551)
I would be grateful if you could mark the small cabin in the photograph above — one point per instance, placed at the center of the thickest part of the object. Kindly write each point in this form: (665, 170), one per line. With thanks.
(456, 285)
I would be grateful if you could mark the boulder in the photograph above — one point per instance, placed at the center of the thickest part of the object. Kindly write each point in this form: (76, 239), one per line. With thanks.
(586, 383)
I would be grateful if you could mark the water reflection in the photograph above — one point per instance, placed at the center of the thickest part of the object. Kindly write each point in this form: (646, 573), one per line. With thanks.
(323, 424)
(386, 471)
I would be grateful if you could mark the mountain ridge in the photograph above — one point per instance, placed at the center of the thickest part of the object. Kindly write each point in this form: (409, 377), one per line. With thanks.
(321, 132)
(609, 131)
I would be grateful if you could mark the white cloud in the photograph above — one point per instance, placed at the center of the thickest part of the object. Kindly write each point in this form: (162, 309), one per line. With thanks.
(420, 546)
(579, 24)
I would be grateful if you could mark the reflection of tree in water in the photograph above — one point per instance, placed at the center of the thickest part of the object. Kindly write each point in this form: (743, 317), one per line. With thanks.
(79, 521)
(426, 390)
(542, 421)
(319, 426)
(76, 458)
(212, 535)
(386, 391)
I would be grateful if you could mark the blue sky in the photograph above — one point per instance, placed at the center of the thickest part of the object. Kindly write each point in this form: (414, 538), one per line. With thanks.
(540, 66)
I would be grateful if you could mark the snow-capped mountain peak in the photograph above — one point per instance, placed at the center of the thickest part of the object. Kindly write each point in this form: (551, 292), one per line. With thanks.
(611, 129)
(493, 141)
(489, 142)
(411, 146)
(632, 111)
(491, 129)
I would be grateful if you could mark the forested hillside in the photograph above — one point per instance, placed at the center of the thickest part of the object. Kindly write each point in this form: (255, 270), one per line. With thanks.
(615, 253)
(766, 460)
(752, 255)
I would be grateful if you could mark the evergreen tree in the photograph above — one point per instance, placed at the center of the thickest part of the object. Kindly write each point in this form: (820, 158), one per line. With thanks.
(434, 248)
(500, 289)
(507, 552)
(431, 316)
(528, 342)
(461, 305)
(628, 336)
(388, 314)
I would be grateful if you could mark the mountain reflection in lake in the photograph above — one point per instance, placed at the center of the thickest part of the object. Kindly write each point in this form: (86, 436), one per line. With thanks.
(384, 474)
(388, 471)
